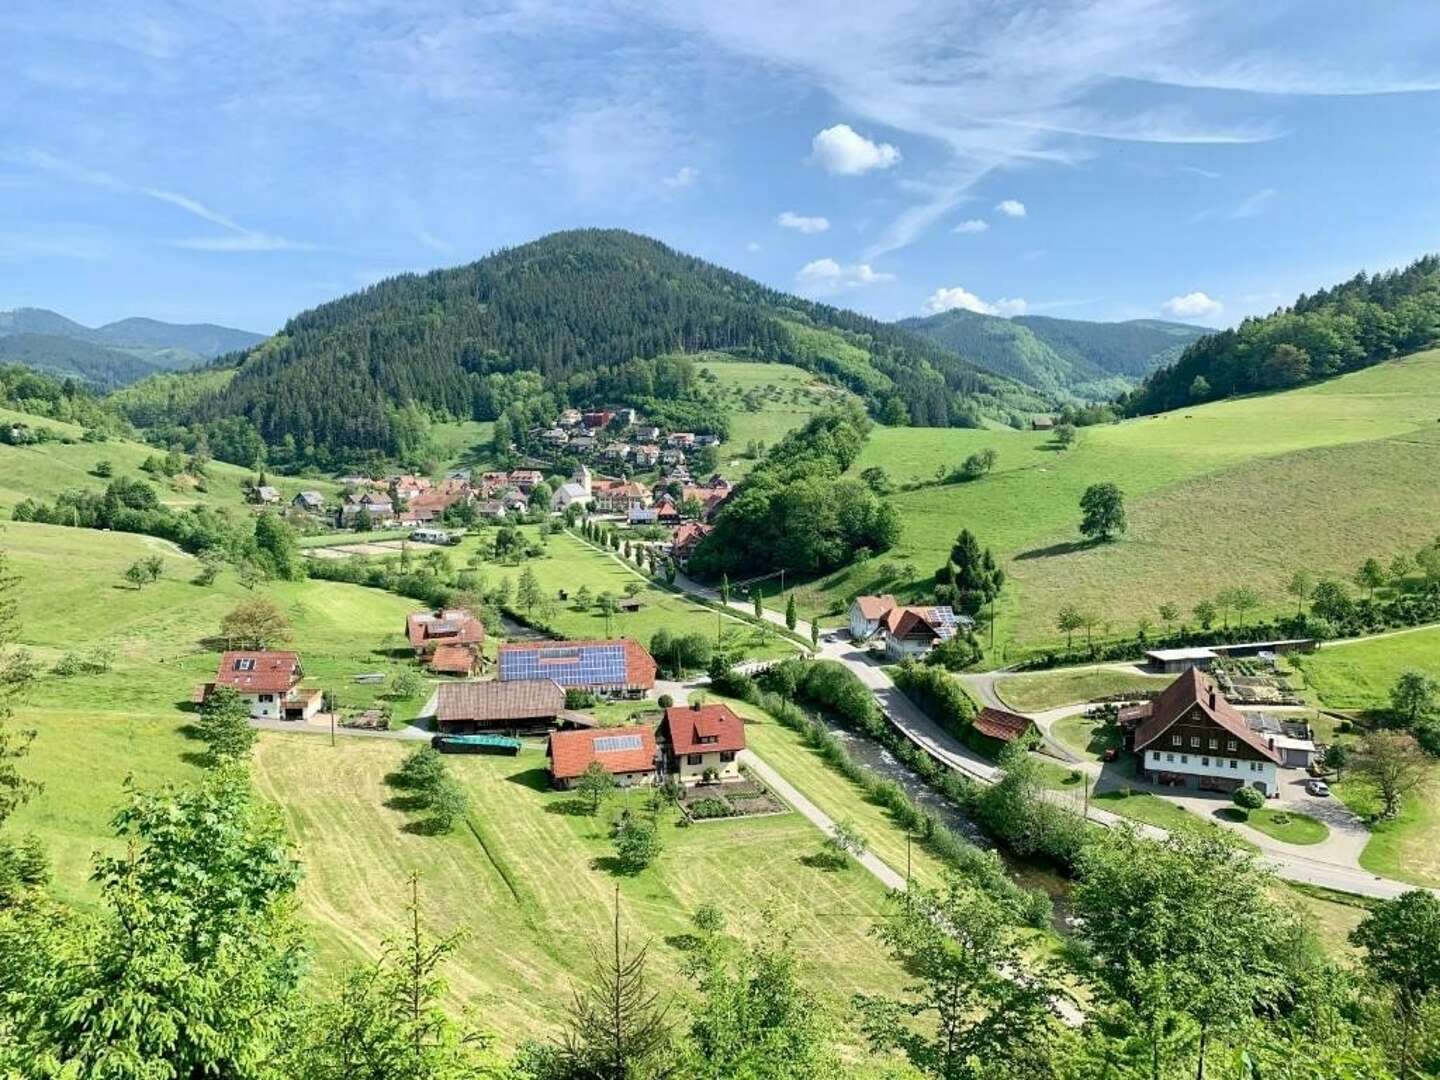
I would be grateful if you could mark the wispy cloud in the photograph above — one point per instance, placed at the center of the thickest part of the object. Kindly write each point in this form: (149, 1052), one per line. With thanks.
(683, 177)
(958, 297)
(974, 225)
(826, 276)
(802, 223)
(435, 243)
(1254, 205)
(238, 238)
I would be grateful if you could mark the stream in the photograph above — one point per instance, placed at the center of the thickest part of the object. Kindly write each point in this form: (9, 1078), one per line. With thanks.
(1030, 874)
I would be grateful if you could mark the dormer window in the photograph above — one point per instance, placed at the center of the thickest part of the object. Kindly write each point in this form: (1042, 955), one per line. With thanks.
(245, 663)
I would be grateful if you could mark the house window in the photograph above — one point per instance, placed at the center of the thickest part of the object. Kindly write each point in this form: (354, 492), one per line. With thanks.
(267, 697)
(694, 759)
(1234, 764)
(1214, 744)
(245, 663)
(727, 755)
(1170, 758)
(1205, 761)
(1254, 766)
(1154, 755)
(1175, 740)
(1184, 759)
(1230, 745)
(1195, 741)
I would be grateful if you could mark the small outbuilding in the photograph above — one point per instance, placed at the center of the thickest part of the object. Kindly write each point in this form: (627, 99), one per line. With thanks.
(626, 753)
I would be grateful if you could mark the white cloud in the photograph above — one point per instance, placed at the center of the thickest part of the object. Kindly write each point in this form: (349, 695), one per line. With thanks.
(683, 178)
(752, 247)
(956, 296)
(1254, 205)
(1011, 207)
(843, 150)
(974, 225)
(1192, 305)
(828, 276)
(800, 223)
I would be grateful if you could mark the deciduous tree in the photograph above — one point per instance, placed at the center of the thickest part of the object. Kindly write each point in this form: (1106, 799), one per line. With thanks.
(1401, 943)
(1394, 763)
(256, 623)
(224, 726)
(1102, 507)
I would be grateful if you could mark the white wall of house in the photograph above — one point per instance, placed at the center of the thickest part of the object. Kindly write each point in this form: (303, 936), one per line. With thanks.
(692, 771)
(265, 706)
(904, 649)
(861, 628)
(1194, 762)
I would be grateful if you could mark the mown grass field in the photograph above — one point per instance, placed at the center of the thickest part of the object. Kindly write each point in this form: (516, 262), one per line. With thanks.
(765, 401)
(1237, 492)
(1359, 675)
(531, 882)
(45, 470)
(1051, 689)
(569, 563)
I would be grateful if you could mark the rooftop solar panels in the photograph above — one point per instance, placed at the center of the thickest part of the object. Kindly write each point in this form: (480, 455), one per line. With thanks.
(945, 622)
(587, 665)
(608, 744)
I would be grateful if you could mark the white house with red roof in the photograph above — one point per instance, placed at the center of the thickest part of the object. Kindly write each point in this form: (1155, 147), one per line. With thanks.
(269, 681)
(867, 615)
(701, 741)
(1193, 737)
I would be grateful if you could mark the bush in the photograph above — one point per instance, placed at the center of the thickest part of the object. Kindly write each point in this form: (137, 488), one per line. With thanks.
(665, 701)
(577, 698)
(703, 809)
(1247, 798)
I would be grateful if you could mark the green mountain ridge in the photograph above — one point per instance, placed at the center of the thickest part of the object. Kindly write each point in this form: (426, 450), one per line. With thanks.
(1069, 359)
(116, 354)
(587, 311)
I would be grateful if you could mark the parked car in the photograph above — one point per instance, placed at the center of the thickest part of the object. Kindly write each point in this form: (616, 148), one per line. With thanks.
(1318, 788)
(1110, 754)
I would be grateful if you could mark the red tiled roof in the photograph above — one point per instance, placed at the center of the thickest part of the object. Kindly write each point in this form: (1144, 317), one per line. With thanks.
(686, 727)
(571, 752)
(1002, 725)
(494, 701)
(904, 622)
(875, 607)
(1193, 689)
(258, 671)
(690, 534)
(454, 626)
(453, 659)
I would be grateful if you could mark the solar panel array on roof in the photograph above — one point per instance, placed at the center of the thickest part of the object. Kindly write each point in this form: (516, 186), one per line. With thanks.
(610, 743)
(590, 665)
(945, 623)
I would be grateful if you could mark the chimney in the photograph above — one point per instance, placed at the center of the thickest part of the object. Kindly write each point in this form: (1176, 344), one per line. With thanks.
(695, 705)
(1212, 697)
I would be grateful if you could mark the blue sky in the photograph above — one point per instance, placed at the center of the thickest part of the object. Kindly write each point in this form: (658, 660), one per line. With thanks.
(239, 162)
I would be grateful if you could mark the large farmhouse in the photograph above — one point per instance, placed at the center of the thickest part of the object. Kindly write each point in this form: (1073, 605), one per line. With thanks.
(914, 631)
(613, 668)
(268, 681)
(1193, 737)
(701, 741)
(626, 753)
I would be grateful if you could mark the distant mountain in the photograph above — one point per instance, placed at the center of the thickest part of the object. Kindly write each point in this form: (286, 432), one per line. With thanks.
(72, 358)
(1066, 358)
(589, 312)
(115, 354)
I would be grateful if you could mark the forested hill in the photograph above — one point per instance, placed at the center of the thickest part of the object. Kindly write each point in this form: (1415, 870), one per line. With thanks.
(584, 310)
(1365, 321)
(1067, 358)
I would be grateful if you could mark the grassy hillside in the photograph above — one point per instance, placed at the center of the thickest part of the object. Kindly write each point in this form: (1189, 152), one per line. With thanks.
(1360, 675)
(1238, 492)
(44, 470)
(765, 401)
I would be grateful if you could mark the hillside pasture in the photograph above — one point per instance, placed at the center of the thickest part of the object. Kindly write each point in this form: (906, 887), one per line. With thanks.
(1358, 675)
(530, 879)
(765, 402)
(44, 470)
(1266, 483)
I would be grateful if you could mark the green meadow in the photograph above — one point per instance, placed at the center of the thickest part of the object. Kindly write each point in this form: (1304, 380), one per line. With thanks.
(1236, 492)
(765, 401)
(1358, 675)
(45, 470)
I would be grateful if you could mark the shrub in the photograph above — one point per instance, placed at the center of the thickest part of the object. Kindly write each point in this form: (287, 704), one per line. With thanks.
(1247, 798)
(703, 809)
(665, 701)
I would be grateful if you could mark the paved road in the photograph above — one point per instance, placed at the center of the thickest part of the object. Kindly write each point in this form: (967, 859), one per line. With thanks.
(1288, 861)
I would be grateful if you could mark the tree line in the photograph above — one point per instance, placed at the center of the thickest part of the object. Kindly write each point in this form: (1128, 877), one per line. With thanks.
(1365, 321)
